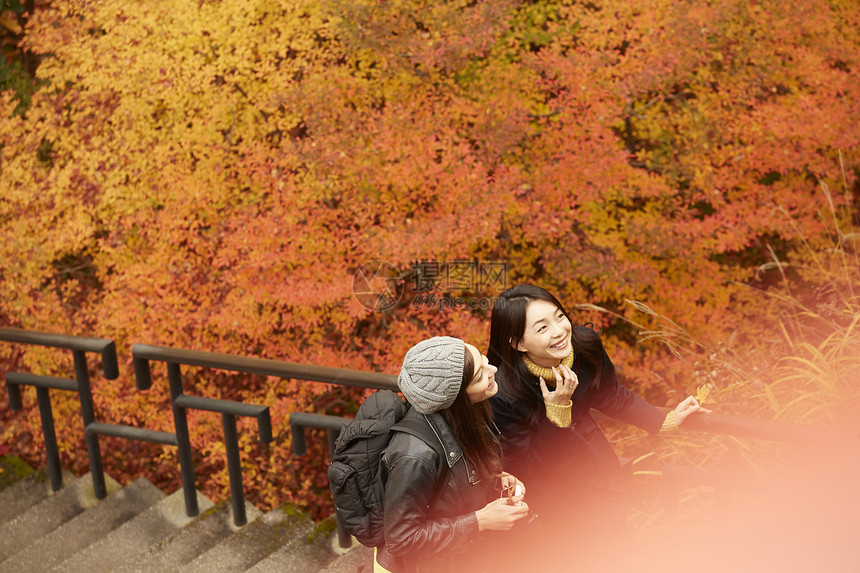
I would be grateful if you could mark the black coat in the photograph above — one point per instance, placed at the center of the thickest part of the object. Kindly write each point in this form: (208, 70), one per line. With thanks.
(430, 525)
(572, 475)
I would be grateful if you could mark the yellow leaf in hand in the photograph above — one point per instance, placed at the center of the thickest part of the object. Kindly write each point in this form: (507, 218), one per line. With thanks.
(702, 393)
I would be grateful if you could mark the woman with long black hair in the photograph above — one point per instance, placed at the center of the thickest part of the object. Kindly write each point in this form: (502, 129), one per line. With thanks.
(551, 374)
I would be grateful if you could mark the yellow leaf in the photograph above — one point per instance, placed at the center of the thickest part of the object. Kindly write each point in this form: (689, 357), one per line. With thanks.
(702, 393)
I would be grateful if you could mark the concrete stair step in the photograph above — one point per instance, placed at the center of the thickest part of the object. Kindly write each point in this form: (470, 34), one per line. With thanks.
(359, 559)
(83, 529)
(176, 550)
(246, 547)
(50, 513)
(139, 529)
(132, 539)
(306, 550)
(22, 487)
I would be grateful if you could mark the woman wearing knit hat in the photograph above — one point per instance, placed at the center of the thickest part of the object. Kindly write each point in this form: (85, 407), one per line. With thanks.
(432, 526)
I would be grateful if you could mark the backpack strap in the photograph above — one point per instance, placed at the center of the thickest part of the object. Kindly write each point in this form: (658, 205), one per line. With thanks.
(421, 430)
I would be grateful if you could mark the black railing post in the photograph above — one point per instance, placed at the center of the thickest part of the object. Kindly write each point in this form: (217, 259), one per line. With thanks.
(88, 414)
(52, 452)
(183, 440)
(109, 361)
(332, 438)
(14, 392)
(333, 426)
(344, 539)
(230, 410)
(234, 468)
(43, 384)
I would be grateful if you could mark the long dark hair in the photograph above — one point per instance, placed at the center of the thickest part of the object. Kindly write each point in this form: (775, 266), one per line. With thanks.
(507, 325)
(471, 425)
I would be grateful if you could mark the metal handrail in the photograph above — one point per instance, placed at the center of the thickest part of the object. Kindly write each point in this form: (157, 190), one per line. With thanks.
(724, 424)
(103, 346)
(142, 354)
(81, 384)
(299, 421)
(771, 430)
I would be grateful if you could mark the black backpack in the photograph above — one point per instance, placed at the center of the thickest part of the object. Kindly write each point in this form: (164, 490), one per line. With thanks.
(354, 474)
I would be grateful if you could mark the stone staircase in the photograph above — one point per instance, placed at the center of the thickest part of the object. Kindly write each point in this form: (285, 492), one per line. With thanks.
(137, 528)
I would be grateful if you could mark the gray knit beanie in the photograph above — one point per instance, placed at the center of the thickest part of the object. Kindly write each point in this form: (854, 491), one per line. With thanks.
(432, 373)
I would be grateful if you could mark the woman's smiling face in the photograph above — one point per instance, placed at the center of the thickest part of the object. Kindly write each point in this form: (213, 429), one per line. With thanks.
(483, 383)
(546, 339)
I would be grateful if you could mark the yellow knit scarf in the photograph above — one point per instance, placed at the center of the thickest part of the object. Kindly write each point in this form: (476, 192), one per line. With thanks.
(543, 371)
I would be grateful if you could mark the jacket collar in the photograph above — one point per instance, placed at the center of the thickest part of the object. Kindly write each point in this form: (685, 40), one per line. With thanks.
(445, 437)
(453, 451)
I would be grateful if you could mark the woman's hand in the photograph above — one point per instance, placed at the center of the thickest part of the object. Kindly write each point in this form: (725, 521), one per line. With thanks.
(509, 488)
(687, 407)
(501, 515)
(565, 383)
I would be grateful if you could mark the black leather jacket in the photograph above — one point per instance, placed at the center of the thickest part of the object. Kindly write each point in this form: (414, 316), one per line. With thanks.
(431, 526)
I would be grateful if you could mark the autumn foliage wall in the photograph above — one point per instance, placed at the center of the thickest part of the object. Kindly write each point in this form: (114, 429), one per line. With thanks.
(210, 175)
